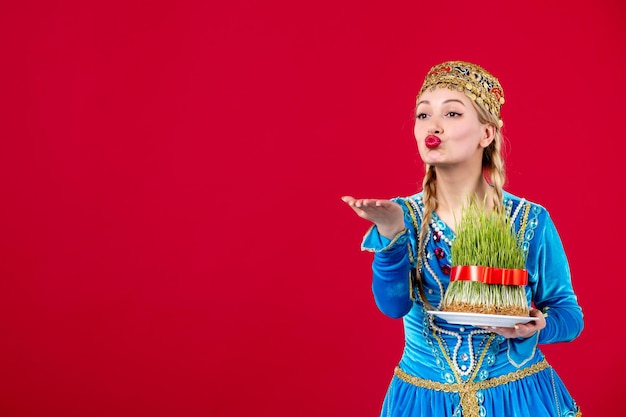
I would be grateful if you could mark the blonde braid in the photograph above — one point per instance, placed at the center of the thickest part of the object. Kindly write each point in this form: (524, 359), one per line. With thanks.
(493, 163)
(496, 171)
(429, 197)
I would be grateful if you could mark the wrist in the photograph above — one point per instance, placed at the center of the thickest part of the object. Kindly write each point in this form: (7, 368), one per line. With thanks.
(390, 233)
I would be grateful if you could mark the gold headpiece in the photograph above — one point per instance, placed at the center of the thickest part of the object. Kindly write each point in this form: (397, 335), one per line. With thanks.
(474, 81)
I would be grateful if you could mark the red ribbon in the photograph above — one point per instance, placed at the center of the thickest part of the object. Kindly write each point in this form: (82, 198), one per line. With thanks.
(489, 275)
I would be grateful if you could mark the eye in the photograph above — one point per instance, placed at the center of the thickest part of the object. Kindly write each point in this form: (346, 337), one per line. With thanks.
(421, 116)
(454, 114)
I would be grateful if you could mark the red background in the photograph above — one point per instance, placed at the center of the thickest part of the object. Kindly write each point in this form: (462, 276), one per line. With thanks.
(172, 237)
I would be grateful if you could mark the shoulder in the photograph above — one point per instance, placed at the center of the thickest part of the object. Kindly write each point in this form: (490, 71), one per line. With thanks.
(411, 203)
(529, 217)
(413, 207)
(412, 199)
(515, 203)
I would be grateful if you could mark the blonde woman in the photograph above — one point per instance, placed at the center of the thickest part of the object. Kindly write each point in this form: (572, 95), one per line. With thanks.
(454, 369)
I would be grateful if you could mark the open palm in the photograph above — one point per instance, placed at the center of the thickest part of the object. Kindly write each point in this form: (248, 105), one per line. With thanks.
(386, 214)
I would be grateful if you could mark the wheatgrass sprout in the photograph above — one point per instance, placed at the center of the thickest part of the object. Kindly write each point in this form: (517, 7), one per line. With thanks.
(488, 239)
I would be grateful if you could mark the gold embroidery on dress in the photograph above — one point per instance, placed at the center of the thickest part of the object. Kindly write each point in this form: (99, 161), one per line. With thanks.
(469, 389)
(413, 273)
(524, 222)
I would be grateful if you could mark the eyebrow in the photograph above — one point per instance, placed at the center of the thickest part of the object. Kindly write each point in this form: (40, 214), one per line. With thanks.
(445, 102)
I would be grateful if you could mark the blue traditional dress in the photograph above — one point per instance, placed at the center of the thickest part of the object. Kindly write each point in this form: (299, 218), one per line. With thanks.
(454, 370)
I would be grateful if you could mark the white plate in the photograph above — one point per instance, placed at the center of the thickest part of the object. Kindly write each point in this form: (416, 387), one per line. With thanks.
(477, 319)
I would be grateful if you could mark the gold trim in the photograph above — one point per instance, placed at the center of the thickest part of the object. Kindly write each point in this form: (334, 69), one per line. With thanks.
(413, 280)
(473, 80)
(413, 215)
(387, 246)
(523, 224)
(468, 389)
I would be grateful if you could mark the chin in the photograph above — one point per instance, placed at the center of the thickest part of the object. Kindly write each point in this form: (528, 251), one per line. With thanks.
(432, 161)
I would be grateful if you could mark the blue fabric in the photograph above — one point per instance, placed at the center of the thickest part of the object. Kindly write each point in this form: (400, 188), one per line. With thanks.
(441, 352)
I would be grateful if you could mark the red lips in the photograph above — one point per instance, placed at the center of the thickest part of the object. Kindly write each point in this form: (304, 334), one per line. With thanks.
(432, 141)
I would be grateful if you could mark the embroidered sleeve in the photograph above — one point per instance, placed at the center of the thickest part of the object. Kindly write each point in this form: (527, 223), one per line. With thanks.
(551, 283)
(373, 241)
(391, 282)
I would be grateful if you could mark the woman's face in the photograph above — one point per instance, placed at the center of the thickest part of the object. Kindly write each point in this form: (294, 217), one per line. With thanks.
(447, 121)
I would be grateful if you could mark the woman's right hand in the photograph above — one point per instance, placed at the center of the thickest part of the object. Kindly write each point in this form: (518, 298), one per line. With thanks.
(386, 214)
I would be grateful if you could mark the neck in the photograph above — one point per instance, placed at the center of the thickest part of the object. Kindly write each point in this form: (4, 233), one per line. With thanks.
(453, 191)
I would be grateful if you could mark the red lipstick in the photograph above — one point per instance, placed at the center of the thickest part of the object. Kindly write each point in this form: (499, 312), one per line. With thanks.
(432, 141)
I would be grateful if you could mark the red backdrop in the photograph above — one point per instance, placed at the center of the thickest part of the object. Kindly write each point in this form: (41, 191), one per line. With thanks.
(172, 237)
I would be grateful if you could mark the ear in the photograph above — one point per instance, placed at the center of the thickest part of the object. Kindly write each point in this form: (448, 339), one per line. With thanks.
(490, 135)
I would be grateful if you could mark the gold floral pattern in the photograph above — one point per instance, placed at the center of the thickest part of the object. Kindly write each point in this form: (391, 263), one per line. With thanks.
(469, 389)
(478, 84)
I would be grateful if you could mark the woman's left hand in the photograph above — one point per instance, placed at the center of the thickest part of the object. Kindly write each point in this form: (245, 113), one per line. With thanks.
(523, 330)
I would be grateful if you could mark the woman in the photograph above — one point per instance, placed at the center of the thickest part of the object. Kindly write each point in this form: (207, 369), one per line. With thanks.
(463, 370)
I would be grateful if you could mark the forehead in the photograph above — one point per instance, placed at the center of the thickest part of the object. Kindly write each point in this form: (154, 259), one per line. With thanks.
(439, 95)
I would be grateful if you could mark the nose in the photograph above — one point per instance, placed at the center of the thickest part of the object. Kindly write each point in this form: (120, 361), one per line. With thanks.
(434, 127)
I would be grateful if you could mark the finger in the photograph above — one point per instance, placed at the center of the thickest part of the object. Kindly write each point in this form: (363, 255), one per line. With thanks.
(369, 202)
(384, 203)
(348, 199)
(366, 202)
(354, 205)
(353, 202)
(376, 202)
